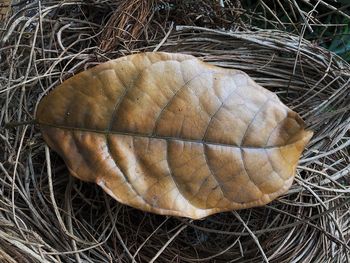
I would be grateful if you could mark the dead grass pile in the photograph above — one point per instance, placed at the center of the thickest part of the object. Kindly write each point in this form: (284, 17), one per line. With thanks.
(48, 216)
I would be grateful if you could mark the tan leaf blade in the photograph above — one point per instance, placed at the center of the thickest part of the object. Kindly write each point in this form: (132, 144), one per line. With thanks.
(5, 6)
(169, 134)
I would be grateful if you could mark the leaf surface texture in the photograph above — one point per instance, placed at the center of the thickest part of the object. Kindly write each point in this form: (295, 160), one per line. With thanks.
(170, 134)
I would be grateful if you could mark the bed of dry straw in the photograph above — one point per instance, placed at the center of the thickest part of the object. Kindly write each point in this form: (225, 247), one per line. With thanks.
(48, 216)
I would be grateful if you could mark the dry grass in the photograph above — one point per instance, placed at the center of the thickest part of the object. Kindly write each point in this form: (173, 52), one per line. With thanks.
(48, 216)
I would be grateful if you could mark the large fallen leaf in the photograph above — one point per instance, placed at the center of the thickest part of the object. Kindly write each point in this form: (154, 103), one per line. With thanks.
(169, 134)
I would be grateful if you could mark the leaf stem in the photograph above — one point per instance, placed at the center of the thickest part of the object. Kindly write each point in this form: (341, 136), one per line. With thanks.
(14, 124)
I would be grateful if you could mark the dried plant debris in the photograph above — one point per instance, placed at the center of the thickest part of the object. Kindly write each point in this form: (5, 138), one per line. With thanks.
(5, 7)
(170, 134)
(48, 216)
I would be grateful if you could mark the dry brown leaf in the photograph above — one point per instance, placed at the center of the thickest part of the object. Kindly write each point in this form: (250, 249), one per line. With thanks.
(5, 6)
(170, 134)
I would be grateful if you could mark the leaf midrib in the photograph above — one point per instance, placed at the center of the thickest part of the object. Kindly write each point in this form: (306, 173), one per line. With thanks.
(160, 137)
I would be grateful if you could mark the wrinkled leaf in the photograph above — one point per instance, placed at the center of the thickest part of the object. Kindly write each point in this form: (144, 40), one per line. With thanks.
(169, 134)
